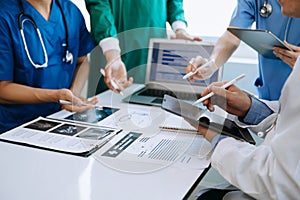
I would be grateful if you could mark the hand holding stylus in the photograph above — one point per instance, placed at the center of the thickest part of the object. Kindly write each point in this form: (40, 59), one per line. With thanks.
(112, 82)
(223, 86)
(232, 99)
(198, 69)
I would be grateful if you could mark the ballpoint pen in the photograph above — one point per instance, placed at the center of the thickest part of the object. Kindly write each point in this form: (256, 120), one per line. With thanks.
(223, 86)
(197, 69)
(112, 82)
(84, 104)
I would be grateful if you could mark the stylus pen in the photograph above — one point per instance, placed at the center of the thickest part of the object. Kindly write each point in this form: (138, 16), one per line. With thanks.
(223, 86)
(197, 69)
(112, 82)
(84, 104)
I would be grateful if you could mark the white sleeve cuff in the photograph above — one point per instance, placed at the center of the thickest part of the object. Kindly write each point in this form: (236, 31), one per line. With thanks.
(109, 43)
(178, 25)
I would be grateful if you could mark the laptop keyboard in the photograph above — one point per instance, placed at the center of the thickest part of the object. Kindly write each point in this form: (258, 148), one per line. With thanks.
(161, 93)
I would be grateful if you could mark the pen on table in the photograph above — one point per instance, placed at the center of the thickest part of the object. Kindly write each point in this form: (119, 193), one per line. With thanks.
(104, 142)
(223, 86)
(84, 104)
(197, 69)
(177, 129)
(112, 82)
(107, 139)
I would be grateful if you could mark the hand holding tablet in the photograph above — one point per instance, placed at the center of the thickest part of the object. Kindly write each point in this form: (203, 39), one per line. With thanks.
(196, 115)
(263, 41)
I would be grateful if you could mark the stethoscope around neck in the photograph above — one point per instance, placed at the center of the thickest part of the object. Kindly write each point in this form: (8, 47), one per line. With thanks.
(266, 10)
(68, 57)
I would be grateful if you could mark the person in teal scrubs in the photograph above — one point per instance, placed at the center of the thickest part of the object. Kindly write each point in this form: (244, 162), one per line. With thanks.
(272, 72)
(123, 28)
(43, 48)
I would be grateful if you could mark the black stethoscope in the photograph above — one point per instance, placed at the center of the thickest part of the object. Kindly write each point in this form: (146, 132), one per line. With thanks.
(68, 57)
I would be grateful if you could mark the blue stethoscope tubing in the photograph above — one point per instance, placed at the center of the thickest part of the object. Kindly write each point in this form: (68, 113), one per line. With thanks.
(68, 56)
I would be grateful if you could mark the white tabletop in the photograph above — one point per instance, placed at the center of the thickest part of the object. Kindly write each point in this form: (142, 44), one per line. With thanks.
(30, 173)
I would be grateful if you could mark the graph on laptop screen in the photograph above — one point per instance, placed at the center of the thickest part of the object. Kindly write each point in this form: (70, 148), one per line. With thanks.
(169, 62)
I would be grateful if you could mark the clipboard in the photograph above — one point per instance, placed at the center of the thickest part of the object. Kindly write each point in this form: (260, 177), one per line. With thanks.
(196, 115)
(263, 41)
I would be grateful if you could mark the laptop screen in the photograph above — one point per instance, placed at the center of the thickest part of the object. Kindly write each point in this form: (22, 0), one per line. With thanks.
(169, 61)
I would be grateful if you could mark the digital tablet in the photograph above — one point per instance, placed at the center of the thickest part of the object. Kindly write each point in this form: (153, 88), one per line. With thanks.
(263, 41)
(195, 114)
(92, 115)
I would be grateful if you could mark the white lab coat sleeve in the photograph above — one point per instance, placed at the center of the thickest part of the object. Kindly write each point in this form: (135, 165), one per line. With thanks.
(261, 172)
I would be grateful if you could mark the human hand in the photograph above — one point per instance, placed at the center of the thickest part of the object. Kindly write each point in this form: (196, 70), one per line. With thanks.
(231, 99)
(182, 34)
(203, 73)
(207, 133)
(77, 104)
(287, 56)
(115, 70)
(92, 100)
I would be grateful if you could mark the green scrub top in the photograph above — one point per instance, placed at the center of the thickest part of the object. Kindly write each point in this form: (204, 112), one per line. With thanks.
(133, 22)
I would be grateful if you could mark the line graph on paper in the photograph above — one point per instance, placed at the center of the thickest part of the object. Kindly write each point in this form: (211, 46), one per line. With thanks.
(139, 119)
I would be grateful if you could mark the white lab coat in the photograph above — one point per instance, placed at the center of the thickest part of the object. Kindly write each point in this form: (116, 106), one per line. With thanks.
(272, 169)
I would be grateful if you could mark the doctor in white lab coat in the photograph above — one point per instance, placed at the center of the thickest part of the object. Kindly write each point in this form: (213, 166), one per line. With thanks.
(272, 169)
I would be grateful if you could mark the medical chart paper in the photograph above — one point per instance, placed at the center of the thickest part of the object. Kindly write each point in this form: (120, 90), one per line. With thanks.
(136, 118)
(144, 146)
(134, 152)
(59, 136)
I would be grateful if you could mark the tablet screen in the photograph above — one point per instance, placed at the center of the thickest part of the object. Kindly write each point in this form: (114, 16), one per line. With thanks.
(92, 115)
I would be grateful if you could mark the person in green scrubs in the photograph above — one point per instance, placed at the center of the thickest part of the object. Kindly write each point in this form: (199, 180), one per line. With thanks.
(123, 28)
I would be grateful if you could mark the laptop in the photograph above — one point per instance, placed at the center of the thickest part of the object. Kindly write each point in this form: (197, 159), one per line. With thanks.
(167, 61)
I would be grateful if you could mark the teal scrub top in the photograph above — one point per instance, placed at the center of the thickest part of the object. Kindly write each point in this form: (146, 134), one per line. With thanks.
(16, 67)
(272, 72)
(133, 22)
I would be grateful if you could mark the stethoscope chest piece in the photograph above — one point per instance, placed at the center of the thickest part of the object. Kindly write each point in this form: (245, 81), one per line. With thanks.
(266, 9)
(68, 57)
